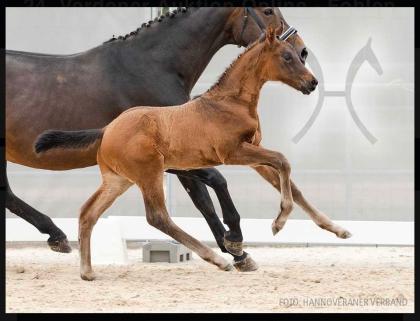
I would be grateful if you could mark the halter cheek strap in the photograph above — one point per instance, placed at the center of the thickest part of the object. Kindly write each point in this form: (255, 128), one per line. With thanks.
(287, 34)
(257, 19)
(250, 11)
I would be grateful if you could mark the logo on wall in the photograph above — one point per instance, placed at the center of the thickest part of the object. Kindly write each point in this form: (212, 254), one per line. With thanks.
(364, 54)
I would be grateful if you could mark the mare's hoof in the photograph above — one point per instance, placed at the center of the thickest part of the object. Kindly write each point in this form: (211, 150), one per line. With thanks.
(61, 246)
(344, 234)
(87, 276)
(246, 265)
(234, 248)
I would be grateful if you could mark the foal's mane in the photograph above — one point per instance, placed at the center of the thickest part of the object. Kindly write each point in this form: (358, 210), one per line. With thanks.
(170, 14)
(229, 69)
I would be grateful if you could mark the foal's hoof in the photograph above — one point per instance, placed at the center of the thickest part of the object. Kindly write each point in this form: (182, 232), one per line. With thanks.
(234, 248)
(246, 265)
(87, 276)
(221, 263)
(228, 267)
(275, 228)
(344, 234)
(61, 246)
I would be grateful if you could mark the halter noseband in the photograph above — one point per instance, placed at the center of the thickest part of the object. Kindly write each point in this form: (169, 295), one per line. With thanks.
(250, 11)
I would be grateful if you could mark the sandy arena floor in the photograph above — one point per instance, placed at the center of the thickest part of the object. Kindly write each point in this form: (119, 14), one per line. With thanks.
(290, 279)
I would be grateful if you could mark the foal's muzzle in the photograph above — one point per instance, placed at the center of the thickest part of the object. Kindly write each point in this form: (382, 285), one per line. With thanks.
(309, 86)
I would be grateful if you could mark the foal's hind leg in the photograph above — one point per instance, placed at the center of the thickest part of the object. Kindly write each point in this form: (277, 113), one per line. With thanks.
(112, 186)
(322, 220)
(151, 185)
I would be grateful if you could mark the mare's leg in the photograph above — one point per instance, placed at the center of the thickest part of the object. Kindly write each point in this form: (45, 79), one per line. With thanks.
(201, 199)
(248, 154)
(57, 240)
(322, 220)
(203, 202)
(112, 186)
(228, 241)
(151, 185)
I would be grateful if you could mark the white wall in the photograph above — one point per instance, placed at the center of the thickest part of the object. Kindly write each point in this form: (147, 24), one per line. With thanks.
(336, 167)
(68, 30)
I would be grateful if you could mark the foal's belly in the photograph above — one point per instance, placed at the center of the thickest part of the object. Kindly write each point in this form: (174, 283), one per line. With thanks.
(186, 158)
(190, 162)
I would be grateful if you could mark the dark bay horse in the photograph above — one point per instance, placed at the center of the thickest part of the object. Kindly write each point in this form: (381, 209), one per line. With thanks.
(143, 142)
(156, 65)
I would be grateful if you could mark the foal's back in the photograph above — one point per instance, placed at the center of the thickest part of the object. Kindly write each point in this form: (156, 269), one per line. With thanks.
(179, 136)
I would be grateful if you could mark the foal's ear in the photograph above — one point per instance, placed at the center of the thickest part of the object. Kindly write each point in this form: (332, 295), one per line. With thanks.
(270, 35)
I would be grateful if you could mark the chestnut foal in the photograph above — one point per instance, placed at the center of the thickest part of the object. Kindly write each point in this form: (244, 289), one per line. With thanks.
(219, 127)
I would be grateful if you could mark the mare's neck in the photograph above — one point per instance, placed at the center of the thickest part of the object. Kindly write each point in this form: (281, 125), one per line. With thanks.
(180, 47)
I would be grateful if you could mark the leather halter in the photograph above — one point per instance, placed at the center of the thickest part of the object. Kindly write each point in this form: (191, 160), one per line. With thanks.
(250, 11)
(287, 34)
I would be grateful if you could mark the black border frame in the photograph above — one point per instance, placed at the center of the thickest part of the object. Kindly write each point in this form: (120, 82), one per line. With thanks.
(183, 316)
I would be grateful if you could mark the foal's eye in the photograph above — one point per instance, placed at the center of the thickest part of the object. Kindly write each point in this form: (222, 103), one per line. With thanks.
(287, 56)
(268, 11)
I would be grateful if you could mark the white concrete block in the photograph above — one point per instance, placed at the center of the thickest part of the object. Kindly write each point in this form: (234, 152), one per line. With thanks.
(107, 243)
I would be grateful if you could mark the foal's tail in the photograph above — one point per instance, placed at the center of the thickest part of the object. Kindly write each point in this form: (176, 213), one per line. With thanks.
(79, 139)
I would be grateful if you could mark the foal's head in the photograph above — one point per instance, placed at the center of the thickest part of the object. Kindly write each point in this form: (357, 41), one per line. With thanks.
(281, 63)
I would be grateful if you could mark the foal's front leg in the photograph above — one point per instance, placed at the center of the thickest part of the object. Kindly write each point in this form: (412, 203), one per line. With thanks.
(321, 219)
(252, 155)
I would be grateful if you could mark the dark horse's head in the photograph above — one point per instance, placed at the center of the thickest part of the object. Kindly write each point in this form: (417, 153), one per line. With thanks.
(248, 23)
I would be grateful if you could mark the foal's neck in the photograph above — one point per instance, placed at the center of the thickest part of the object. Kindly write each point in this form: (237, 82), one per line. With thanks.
(243, 81)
